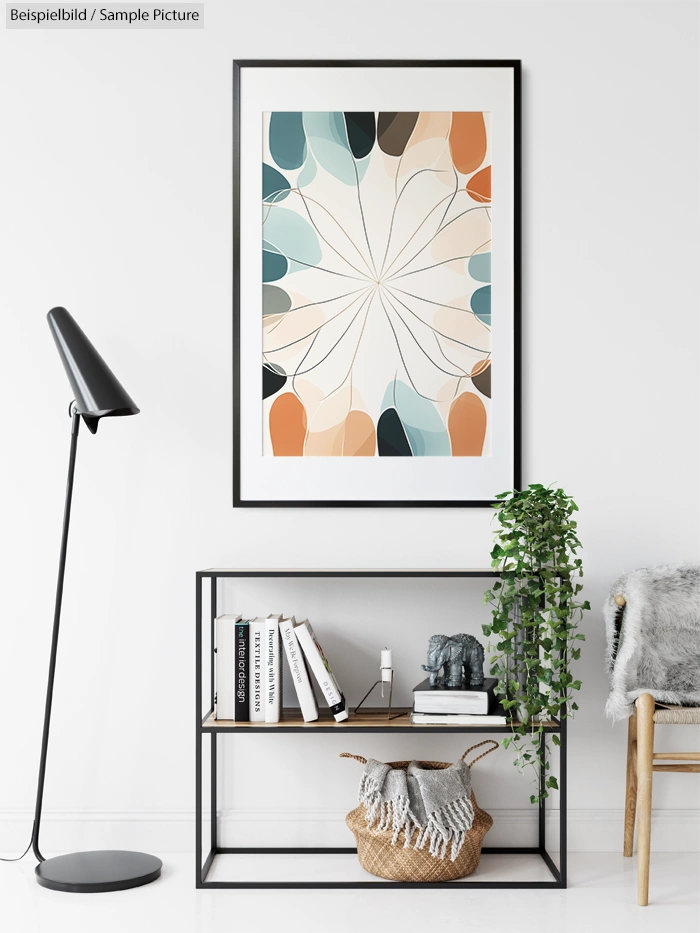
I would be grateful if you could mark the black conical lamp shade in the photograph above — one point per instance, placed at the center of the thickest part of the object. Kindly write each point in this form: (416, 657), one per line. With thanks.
(98, 393)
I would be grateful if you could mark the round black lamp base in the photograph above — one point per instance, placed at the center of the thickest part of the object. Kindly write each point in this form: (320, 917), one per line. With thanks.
(103, 870)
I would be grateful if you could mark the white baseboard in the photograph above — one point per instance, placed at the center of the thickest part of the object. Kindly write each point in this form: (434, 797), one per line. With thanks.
(173, 830)
(77, 830)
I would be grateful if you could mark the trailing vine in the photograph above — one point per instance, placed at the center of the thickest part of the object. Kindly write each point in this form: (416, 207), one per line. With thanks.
(535, 615)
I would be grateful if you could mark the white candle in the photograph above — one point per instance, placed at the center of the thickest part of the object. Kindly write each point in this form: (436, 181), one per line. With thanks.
(386, 665)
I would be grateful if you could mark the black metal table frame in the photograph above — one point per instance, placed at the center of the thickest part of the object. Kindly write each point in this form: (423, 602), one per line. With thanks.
(203, 867)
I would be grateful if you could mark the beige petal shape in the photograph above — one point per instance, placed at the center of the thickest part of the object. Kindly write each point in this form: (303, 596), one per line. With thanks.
(359, 435)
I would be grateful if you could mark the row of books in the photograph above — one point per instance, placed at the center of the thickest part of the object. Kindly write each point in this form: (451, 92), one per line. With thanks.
(249, 669)
(457, 706)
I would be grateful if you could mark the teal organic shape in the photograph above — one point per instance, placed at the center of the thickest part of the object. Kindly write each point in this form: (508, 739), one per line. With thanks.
(275, 300)
(275, 265)
(481, 304)
(421, 420)
(275, 186)
(327, 136)
(287, 139)
(308, 173)
(290, 234)
(480, 267)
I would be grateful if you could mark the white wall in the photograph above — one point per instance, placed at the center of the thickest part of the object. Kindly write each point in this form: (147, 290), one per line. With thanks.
(116, 203)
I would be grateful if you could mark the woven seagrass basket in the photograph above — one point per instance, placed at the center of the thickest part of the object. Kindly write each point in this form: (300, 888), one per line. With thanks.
(379, 857)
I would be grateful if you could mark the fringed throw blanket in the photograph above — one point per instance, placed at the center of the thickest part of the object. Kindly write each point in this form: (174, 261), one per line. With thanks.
(432, 805)
(654, 639)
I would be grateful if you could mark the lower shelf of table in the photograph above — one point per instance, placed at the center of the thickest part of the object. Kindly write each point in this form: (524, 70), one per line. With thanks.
(370, 720)
(340, 868)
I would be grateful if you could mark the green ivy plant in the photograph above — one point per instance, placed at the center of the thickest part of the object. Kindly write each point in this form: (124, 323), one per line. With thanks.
(535, 614)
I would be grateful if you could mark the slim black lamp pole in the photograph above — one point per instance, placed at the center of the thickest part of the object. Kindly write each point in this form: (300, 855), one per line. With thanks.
(98, 394)
(75, 426)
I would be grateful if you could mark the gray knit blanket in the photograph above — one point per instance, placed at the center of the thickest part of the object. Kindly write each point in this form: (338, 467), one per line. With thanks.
(657, 647)
(432, 805)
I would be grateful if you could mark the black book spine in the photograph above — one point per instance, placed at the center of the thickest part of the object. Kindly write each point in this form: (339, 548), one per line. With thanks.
(241, 693)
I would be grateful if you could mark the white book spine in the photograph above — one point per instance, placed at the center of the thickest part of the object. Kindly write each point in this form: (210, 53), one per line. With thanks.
(273, 685)
(257, 680)
(321, 670)
(300, 676)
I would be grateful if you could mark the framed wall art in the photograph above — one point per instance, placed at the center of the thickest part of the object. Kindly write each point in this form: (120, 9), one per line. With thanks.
(376, 281)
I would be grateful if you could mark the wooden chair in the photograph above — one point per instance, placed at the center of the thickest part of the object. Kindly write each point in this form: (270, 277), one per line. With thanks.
(641, 765)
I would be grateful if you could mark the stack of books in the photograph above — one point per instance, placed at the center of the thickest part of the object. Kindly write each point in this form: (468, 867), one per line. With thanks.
(249, 668)
(457, 706)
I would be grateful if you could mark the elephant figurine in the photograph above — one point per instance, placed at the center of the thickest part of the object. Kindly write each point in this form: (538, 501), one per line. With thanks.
(454, 660)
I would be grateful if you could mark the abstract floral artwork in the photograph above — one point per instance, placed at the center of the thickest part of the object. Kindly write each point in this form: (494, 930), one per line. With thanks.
(376, 284)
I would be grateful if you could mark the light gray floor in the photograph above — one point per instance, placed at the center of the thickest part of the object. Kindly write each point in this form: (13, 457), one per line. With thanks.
(602, 898)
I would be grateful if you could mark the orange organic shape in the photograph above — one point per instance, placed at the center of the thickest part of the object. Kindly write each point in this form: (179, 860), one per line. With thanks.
(468, 141)
(479, 185)
(287, 426)
(467, 425)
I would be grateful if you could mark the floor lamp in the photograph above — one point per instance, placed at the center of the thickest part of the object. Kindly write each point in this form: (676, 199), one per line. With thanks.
(98, 394)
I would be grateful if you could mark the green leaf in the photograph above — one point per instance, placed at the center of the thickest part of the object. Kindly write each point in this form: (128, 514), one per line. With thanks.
(552, 782)
(555, 739)
(535, 613)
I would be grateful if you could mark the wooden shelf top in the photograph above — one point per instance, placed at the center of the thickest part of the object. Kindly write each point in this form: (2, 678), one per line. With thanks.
(371, 720)
(291, 718)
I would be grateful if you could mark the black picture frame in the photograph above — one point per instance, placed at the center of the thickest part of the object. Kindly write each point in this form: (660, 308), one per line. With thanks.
(515, 65)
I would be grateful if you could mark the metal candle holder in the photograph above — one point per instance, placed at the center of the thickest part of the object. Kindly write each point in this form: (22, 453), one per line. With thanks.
(387, 677)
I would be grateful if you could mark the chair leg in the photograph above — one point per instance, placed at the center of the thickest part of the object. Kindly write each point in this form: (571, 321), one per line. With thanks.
(631, 786)
(645, 764)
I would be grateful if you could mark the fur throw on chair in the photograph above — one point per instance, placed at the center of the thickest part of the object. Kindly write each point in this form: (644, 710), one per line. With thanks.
(654, 639)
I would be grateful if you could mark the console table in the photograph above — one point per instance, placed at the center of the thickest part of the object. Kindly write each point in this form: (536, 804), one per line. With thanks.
(292, 722)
